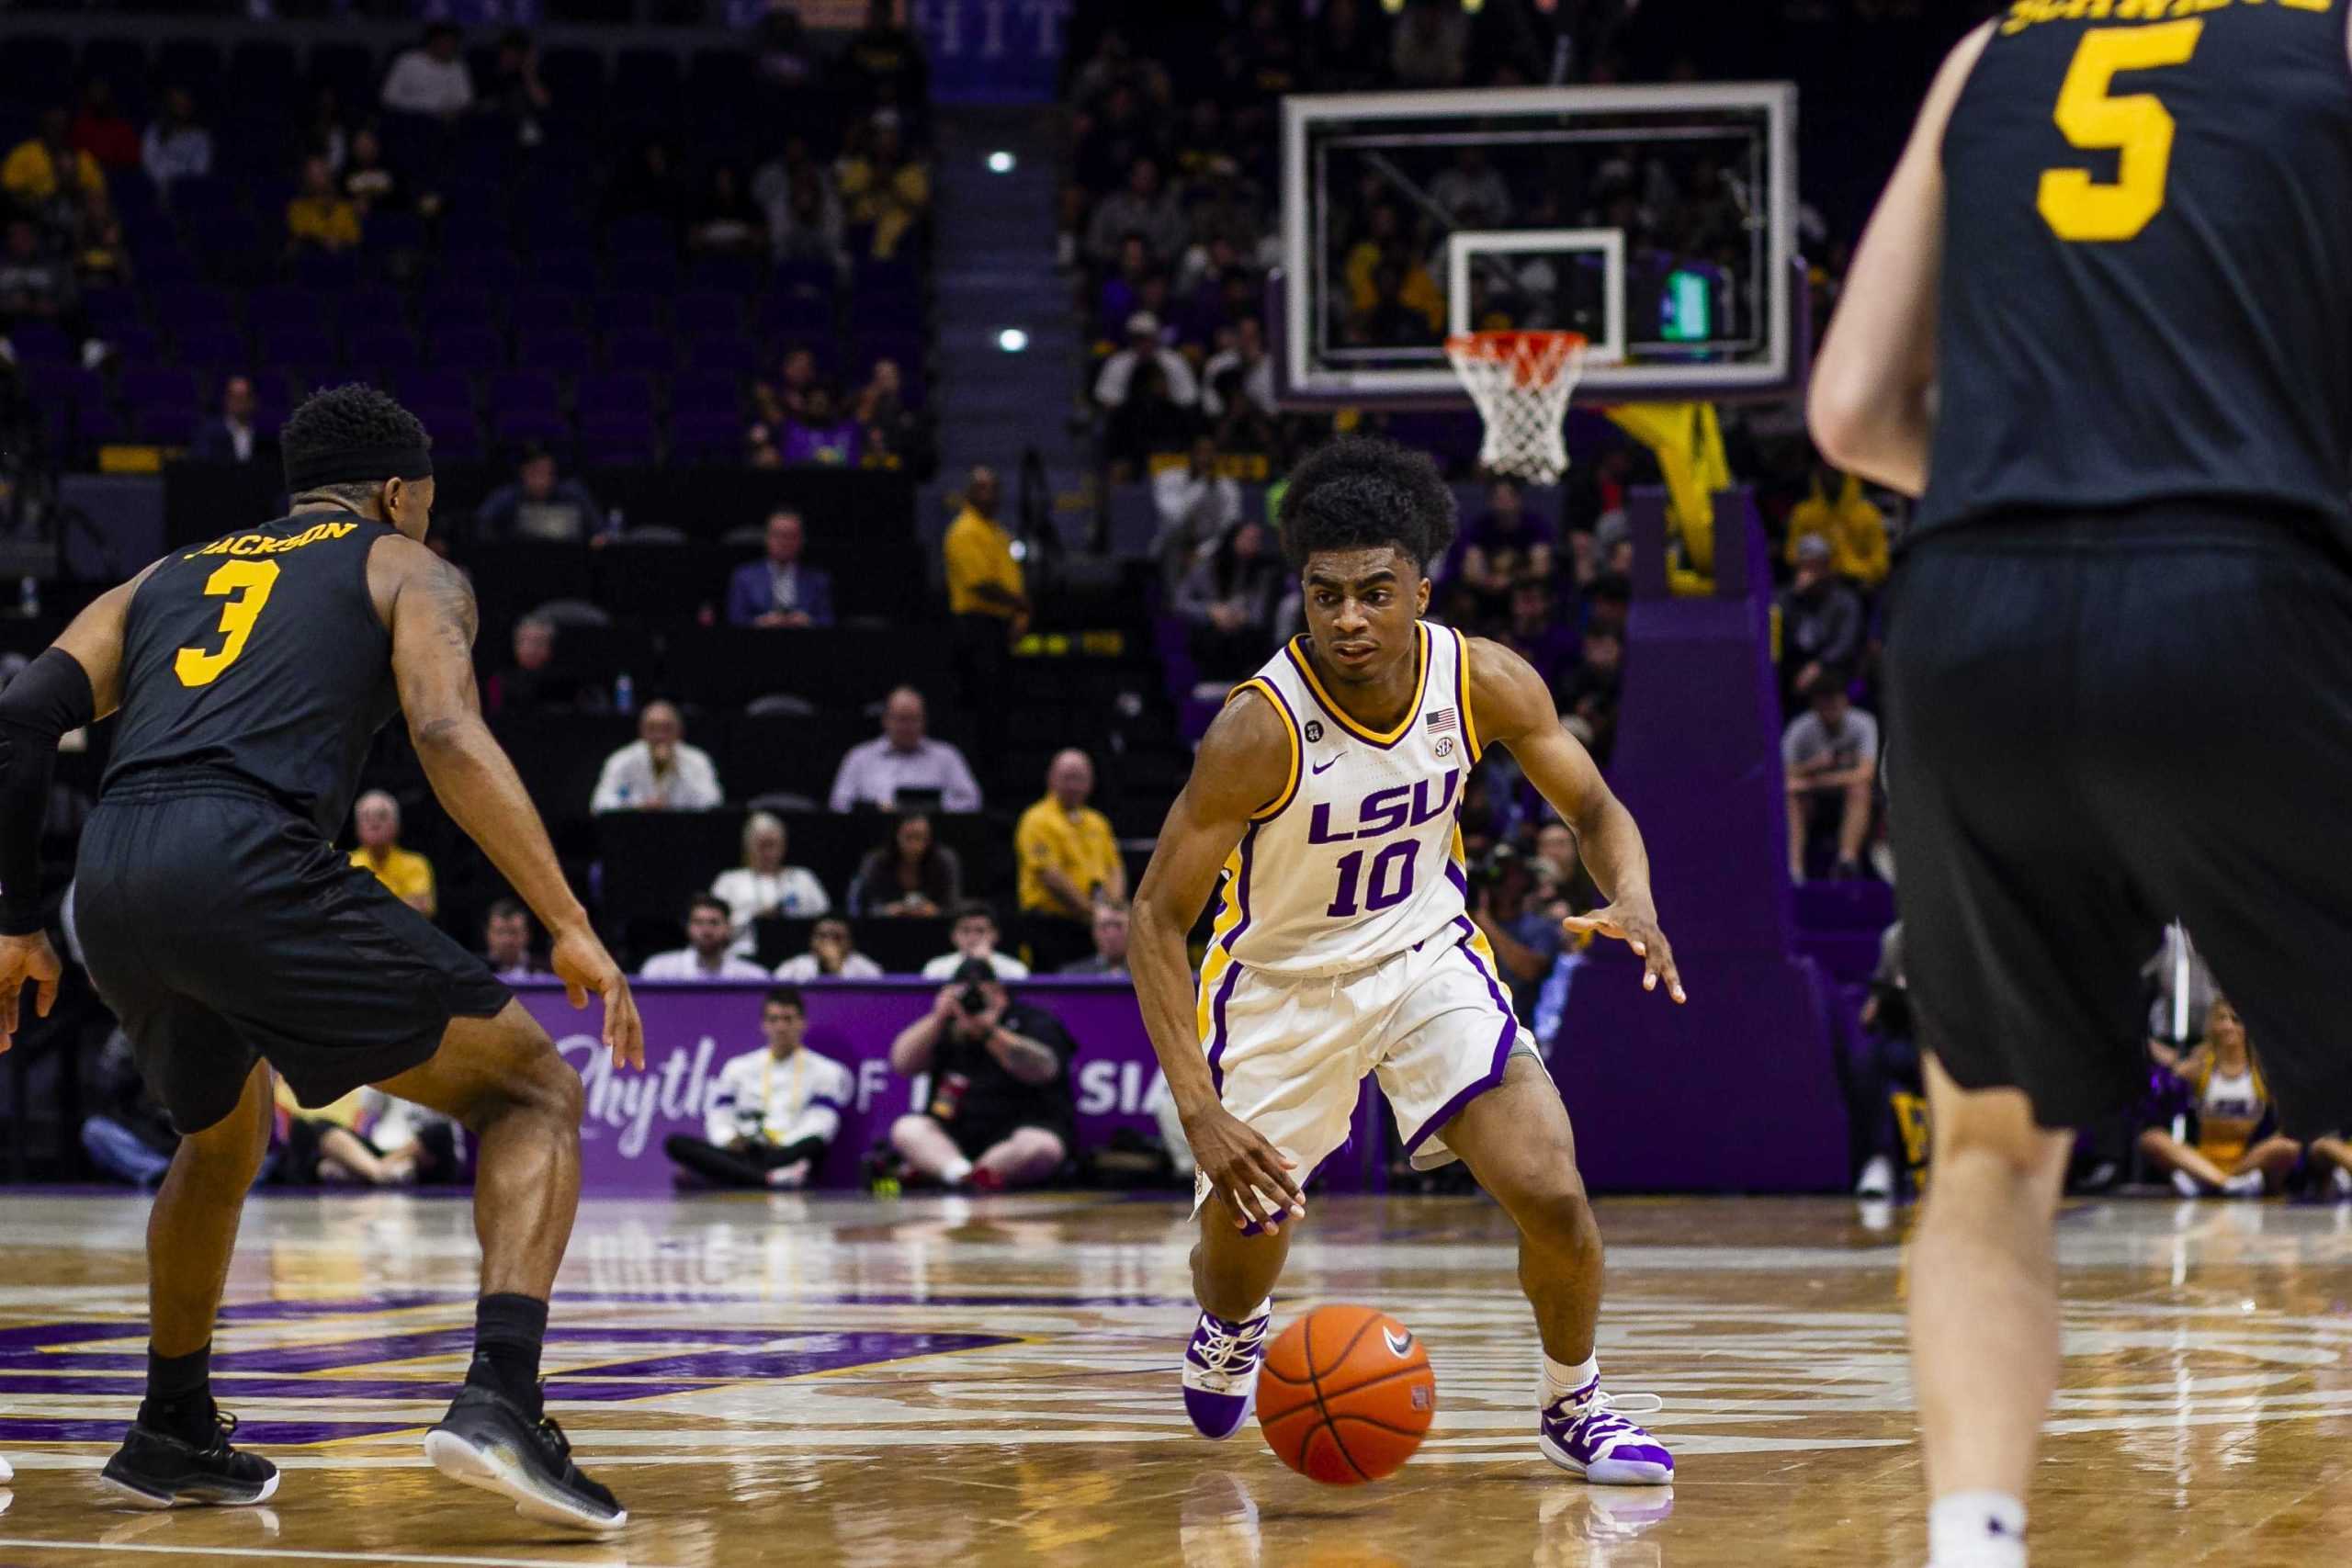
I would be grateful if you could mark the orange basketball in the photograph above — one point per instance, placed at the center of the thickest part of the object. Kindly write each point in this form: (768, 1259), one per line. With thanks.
(1346, 1395)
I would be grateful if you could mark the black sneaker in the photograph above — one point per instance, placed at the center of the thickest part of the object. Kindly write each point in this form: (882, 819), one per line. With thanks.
(155, 1470)
(486, 1440)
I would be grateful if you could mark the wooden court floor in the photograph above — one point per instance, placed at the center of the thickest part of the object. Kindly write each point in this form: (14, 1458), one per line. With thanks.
(941, 1381)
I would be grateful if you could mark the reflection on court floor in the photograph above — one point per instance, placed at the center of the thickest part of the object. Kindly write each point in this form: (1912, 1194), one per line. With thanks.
(936, 1381)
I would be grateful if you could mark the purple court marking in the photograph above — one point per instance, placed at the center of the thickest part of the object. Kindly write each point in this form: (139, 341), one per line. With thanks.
(842, 1350)
(252, 1434)
(237, 1386)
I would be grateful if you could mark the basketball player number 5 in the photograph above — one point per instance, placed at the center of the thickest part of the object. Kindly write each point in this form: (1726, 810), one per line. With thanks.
(251, 581)
(2138, 128)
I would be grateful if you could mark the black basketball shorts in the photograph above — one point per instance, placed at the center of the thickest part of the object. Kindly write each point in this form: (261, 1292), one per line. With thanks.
(218, 926)
(2097, 724)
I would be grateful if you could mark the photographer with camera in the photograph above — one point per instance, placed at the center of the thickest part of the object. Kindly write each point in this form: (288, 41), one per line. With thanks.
(1526, 939)
(1001, 1113)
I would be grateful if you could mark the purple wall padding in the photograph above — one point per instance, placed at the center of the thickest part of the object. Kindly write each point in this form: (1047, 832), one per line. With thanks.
(1736, 1091)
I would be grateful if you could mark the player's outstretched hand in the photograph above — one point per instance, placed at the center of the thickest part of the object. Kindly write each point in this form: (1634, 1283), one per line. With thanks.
(1635, 925)
(1242, 1167)
(23, 958)
(581, 962)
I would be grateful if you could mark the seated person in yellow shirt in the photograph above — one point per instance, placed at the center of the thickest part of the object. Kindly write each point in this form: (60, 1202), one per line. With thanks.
(407, 874)
(1070, 861)
(321, 215)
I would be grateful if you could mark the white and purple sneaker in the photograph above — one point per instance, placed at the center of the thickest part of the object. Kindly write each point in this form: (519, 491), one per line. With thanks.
(1583, 1433)
(1221, 1371)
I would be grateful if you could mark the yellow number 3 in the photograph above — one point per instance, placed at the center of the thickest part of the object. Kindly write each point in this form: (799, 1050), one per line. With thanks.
(251, 581)
(2138, 127)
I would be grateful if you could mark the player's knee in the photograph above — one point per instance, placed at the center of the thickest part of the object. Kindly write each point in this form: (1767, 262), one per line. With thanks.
(908, 1130)
(1559, 1220)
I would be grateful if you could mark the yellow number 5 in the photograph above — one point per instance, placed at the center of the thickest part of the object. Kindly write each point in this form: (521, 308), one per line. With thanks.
(2138, 127)
(251, 581)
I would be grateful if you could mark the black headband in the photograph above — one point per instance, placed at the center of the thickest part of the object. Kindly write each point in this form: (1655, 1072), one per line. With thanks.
(354, 464)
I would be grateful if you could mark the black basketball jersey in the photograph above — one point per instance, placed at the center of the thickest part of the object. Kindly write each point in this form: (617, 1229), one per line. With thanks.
(2147, 268)
(261, 655)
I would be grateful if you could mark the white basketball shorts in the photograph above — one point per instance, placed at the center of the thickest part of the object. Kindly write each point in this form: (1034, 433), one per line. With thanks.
(1434, 1021)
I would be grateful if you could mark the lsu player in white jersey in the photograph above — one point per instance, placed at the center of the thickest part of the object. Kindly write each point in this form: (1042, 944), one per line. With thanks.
(1326, 795)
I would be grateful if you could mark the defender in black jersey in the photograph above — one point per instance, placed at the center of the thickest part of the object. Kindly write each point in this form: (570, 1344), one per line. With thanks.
(230, 938)
(2100, 325)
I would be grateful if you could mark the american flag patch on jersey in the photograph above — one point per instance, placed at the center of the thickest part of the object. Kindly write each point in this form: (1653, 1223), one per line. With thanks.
(1442, 718)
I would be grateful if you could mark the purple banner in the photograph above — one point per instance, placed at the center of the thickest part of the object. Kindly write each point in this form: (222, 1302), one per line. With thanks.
(691, 1030)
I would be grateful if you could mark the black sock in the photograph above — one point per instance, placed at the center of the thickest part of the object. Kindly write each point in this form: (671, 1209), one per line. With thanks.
(508, 1330)
(179, 1394)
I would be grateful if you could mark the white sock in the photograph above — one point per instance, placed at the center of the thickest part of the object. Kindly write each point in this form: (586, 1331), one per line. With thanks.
(956, 1172)
(1976, 1530)
(1560, 1380)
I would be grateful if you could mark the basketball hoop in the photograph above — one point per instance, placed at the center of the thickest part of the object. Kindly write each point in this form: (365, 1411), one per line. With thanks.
(1521, 382)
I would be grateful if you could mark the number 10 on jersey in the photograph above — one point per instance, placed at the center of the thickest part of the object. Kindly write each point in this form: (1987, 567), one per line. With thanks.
(1392, 879)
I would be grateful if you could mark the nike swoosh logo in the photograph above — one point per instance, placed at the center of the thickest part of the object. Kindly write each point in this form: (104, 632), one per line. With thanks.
(1401, 1344)
(1318, 767)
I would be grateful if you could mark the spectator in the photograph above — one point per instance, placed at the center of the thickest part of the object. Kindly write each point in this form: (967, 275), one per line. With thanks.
(831, 956)
(1346, 55)
(1822, 619)
(788, 394)
(506, 942)
(821, 435)
(1069, 857)
(1555, 851)
(1831, 755)
(901, 761)
(37, 285)
(914, 874)
(707, 955)
(1503, 547)
(177, 145)
(888, 431)
(1147, 427)
(1227, 602)
(431, 78)
(1113, 382)
(1886, 1060)
(763, 885)
(1196, 505)
(1241, 375)
(987, 597)
(2231, 1109)
(49, 181)
(804, 214)
(1854, 528)
(324, 135)
(367, 1138)
(130, 1137)
(726, 220)
(1535, 633)
(1385, 244)
(1430, 45)
(321, 215)
(100, 129)
(233, 437)
(658, 771)
(1472, 191)
(780, 48)
(882, 66)
(539, 505)
(1142, 208)
(1525, 937)
(374, 187)
(975, 935)
(532, 683)
(773, 1112)
(884, 186)
(407, 874)
(1121, 294)
(1587, 695)
(1001, 1113)
(777, 591)
(515, 92)
(1109, 929)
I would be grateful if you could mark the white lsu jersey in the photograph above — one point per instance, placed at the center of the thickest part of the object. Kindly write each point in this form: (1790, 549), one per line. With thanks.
(1360, 857)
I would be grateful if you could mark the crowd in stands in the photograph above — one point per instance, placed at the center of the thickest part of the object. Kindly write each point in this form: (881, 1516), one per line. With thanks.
(206, 232)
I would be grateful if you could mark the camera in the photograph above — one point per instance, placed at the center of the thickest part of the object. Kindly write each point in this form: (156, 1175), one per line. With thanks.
(973, 1000)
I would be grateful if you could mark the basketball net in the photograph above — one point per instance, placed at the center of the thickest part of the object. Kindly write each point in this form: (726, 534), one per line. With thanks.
(1521, 382)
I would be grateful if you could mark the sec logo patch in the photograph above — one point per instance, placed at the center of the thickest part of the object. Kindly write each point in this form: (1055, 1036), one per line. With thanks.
(1446, 746)
(1314, 730)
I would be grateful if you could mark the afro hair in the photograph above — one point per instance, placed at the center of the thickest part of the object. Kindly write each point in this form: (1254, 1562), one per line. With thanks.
(1360, 492)
(336, 419)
